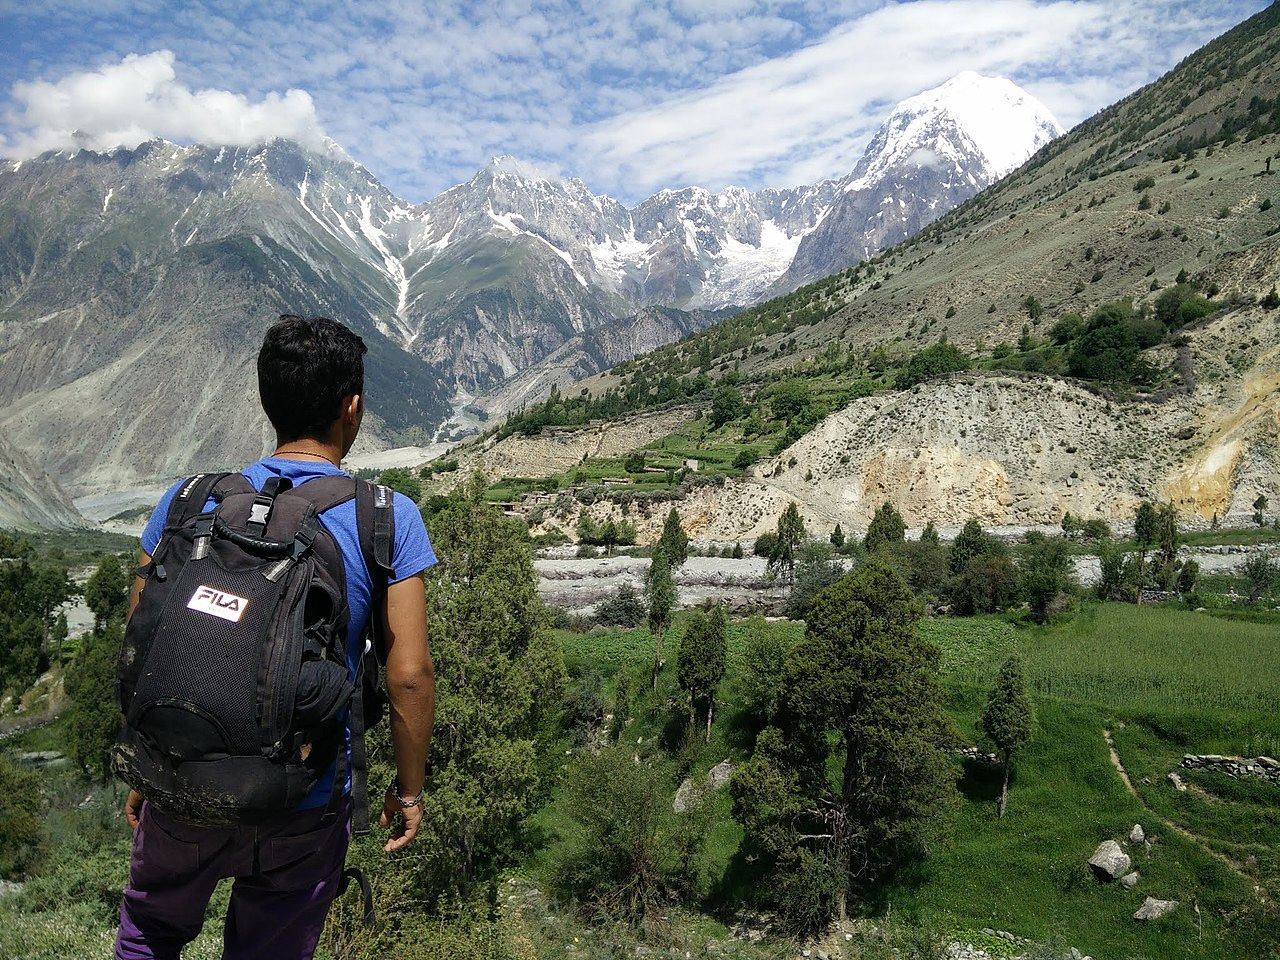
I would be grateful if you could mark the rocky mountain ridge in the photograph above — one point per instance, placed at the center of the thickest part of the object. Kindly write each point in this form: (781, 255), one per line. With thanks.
(134, 282)
(1174, 183)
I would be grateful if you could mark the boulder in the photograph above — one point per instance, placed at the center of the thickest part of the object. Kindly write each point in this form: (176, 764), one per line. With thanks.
(1137, 834)
(1129, 880)
(1109, 862)
(1153, 909)
(1177, 783)
(686, 797)
(720, 775)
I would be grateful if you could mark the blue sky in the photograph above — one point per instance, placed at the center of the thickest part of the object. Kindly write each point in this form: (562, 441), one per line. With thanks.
(629, 96)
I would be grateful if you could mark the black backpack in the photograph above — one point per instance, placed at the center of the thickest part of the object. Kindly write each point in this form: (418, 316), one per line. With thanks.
(233, 677)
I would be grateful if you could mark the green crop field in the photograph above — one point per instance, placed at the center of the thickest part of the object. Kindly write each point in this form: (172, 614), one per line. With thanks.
(1117, 655)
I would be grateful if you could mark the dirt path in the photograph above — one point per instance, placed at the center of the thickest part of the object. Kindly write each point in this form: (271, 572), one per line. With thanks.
(1222, 858)
(1115, 761)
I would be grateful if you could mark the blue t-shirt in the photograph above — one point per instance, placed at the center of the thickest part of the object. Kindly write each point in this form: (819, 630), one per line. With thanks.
(410, 555)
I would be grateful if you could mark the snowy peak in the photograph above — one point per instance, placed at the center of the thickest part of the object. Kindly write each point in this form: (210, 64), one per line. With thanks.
(936, 150)
(970, 117)
(508, 166)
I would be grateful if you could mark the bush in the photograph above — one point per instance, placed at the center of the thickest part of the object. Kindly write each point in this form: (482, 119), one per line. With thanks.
(766, 545)
(584, 706)
(762, 680)
(402, 481)
(623, 857)
(931, 362)
(21, 834)
(625, 608)
(1181, 305)
(816, 570)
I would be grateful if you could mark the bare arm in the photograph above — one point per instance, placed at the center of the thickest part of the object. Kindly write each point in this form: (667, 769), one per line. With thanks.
(133, 802)
(138, 583)
(412, 695)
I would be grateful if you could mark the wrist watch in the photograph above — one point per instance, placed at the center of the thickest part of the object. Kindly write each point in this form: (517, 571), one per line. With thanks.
(406, 801)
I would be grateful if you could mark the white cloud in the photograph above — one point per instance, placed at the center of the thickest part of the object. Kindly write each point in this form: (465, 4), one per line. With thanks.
(139, 98)
(628, 95)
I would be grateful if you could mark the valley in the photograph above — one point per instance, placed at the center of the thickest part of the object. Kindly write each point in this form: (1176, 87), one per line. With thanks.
(882, 566)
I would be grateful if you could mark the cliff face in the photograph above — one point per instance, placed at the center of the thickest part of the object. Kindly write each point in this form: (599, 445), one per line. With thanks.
(30, 499)
(1009, 450)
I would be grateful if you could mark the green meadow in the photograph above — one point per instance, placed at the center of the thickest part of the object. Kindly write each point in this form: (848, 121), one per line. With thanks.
(1164, 681)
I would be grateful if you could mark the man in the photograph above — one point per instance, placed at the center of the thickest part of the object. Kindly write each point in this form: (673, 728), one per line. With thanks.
(311, 383)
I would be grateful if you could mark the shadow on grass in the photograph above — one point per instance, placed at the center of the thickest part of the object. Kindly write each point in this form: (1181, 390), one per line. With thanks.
(746, 884)
(980, 782)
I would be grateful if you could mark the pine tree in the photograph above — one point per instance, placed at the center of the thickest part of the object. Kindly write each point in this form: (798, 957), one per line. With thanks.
(1146, 532)
(660, 589)
(1008, 719)
(790, 535)
(674, 542)
(837, 538)
(886, 528)
(700, 664)
(93, 720)
(1169, 537)
(106, 593)
(850, 779)
(971, 542)
(498, 671)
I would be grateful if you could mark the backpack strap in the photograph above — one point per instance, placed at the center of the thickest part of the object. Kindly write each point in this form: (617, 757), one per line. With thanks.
(375, 522)
(375, 526)
(196, 491)
(188, 503)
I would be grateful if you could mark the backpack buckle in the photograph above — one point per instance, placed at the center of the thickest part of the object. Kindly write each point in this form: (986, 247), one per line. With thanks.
(203, 536)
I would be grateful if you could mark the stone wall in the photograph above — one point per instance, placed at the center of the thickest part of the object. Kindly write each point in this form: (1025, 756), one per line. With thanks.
(1262, 768)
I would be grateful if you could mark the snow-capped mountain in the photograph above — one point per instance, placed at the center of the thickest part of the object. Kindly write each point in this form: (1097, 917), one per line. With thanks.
(160, 266)
(935, 151)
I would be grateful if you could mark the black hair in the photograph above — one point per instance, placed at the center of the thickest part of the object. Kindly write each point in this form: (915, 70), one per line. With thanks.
(306, 367)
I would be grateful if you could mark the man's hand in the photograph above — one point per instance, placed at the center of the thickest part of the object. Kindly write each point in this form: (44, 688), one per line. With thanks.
(132, 809)
(405, 831)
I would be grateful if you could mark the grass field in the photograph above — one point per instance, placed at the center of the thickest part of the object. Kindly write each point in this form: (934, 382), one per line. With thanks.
(1164, 681)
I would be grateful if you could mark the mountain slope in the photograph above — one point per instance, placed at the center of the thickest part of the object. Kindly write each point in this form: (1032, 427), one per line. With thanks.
(135, 270)
(936, 150)
(143, 300)
(30, 499)
(595, 350)
(1171, 182)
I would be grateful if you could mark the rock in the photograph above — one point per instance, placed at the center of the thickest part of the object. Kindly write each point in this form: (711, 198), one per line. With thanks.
(1153, 909)
(1129, 880)
(1109, 862)
(8, 886)
(1137, 834)
(37, 758)
(720, 775)
(686, 796)
(1177, 783)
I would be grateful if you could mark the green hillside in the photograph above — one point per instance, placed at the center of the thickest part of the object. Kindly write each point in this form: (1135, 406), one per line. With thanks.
(1165, 194)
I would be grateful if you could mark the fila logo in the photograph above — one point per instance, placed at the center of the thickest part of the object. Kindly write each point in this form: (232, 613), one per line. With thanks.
(227, 606)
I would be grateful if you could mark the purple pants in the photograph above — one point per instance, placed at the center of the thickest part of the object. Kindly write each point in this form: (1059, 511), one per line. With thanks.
(286, 875)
